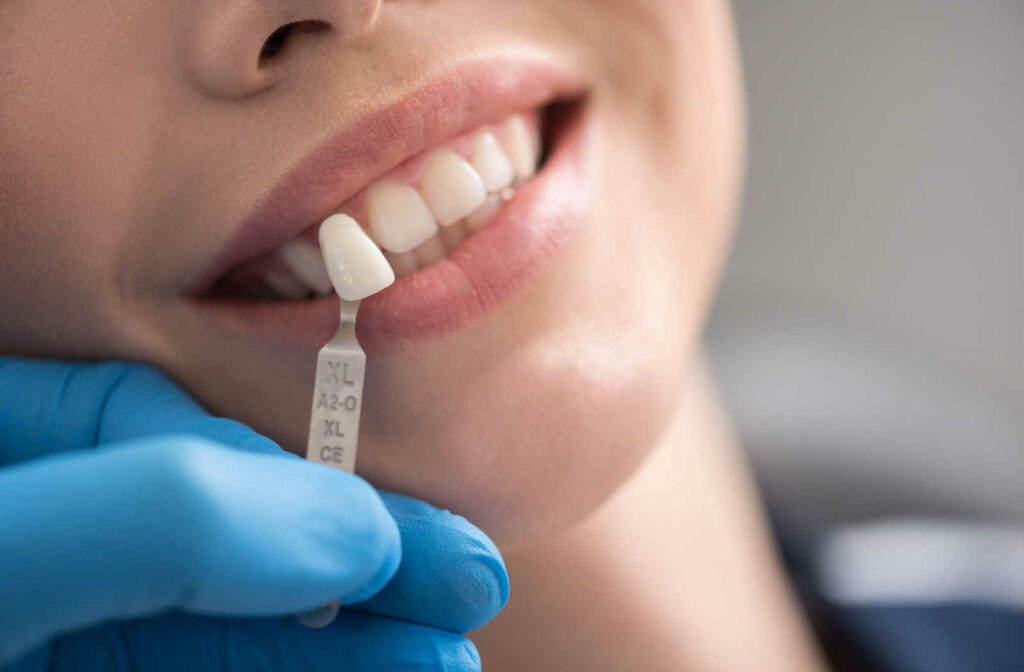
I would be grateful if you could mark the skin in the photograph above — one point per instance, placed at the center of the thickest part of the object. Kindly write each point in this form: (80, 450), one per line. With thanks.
(137, 136)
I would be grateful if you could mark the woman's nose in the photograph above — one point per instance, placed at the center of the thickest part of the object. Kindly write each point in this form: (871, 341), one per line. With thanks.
(236, 48)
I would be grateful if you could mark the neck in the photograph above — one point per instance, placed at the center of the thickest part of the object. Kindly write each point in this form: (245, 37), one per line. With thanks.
(674, 572)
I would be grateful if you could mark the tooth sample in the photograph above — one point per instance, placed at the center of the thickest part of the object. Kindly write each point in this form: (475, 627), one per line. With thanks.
(403, 263)
(431, 251)
(399, 219)
(305, 262)
(490, 161)
(450, 186)
(485, 213)
(356, 266)
(521, 147)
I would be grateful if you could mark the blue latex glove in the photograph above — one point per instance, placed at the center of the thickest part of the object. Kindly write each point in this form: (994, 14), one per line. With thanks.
(139, 533)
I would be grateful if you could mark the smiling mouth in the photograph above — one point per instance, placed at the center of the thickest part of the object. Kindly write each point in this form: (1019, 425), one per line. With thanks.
(471, 184)
(417, 213)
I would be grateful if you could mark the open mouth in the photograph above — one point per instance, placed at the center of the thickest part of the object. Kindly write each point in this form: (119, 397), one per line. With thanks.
(467, 186)
(417, 213)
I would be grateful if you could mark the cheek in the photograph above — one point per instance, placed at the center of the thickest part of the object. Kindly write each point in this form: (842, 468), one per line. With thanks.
(52, 244)
(72, 138)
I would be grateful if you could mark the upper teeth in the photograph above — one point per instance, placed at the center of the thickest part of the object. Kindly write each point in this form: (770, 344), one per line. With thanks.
(491, 162)
(459, 193)
(523, 147)
(399, 219)
(451, 187)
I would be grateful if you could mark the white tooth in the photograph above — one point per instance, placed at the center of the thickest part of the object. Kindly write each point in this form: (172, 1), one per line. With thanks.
(454, 235)
(521, 147)
(356, 266)
(450, 186)
(286, 285)
(305, 262)
(485, 213)
(430, 251)
(399, 219)
(403, 263)
(508, 194)
(490, 161)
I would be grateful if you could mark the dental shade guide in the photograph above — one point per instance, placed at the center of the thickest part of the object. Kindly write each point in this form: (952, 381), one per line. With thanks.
(357, 269)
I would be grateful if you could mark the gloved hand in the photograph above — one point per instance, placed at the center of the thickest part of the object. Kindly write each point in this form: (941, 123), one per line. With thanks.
(139, 533)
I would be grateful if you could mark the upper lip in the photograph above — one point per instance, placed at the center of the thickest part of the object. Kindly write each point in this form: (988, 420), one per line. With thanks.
(444, 104)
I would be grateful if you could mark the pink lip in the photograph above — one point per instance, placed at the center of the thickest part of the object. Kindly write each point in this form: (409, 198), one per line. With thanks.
(477, 276)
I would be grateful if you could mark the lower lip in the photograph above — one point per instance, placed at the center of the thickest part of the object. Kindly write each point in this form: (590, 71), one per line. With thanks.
(487, 270)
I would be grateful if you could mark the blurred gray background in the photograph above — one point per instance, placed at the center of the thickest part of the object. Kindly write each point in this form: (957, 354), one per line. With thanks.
(869, 334)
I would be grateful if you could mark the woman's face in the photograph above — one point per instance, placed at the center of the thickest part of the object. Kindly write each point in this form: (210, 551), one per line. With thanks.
(158, 157)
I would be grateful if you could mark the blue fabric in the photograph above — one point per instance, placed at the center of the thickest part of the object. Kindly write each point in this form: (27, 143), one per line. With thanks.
(880, 637)
(137, 532)
(937, 638)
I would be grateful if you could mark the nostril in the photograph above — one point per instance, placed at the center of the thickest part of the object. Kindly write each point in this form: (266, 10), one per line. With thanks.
(277, 40)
